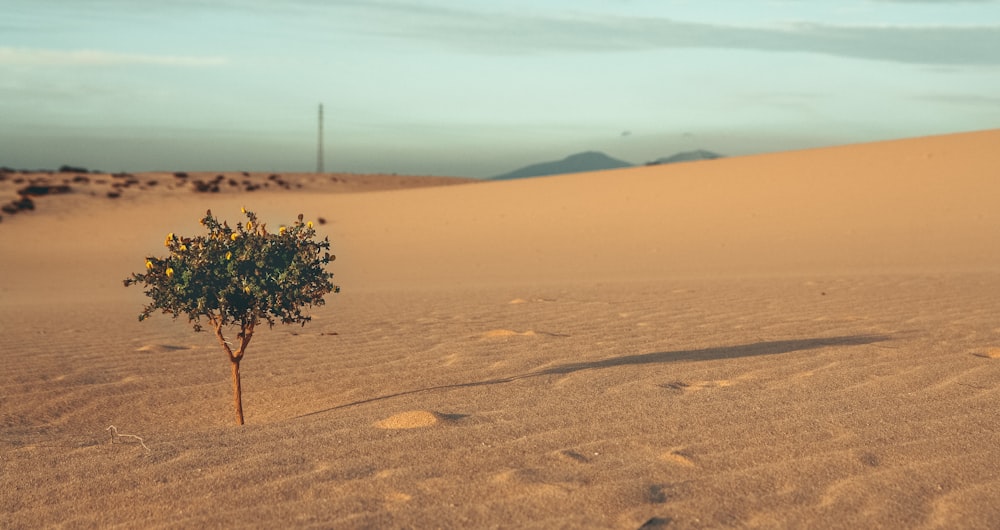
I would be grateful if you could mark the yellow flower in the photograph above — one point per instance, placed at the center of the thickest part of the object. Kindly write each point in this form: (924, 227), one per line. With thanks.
(234, 236)
(281, 230)
(184, 247)
(249, 225)
(246, 289)
(170, 272)
(243, 209)
(149, 265)
(309, 224)
(229, 255)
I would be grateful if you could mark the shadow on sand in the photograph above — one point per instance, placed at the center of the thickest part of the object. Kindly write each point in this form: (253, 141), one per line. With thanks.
(715, 354)
(705, 354)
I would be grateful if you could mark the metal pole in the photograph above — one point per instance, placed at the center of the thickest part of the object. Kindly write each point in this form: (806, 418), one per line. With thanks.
(319, 147)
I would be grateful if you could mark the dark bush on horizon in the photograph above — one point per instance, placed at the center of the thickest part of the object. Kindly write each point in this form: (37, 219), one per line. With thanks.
(22, 204)
(39, 190)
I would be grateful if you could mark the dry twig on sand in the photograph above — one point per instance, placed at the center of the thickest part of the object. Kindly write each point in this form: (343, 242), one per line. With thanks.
(114, 435)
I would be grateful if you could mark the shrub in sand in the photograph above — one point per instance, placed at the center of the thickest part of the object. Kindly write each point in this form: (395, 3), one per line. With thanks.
(236, 278)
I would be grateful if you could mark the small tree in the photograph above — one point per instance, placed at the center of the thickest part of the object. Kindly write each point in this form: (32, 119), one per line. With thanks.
(237, 278)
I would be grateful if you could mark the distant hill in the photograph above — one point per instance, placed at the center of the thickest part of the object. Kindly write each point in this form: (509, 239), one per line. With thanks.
(580, 162)
(686, 156)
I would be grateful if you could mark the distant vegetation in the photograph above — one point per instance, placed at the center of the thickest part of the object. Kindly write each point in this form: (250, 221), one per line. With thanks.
(26, 194)
(30, 184)
(72, 169)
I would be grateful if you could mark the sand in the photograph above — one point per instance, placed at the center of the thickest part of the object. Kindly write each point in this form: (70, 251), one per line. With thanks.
(794, 340)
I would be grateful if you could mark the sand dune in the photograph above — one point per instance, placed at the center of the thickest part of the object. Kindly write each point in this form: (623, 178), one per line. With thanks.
(914, 205)
(803, 339)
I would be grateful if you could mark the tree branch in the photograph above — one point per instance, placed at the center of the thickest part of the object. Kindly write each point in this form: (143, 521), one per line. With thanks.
(217, 324)
(246, 333)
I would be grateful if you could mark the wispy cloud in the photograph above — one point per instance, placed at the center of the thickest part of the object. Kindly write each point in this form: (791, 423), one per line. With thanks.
(977, 101)
(498, 29)
(44, 57)
(511, 33)
(946, 45)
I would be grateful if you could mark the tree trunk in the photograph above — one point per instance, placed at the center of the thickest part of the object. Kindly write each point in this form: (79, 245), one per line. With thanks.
(237, 391)
(246, 332)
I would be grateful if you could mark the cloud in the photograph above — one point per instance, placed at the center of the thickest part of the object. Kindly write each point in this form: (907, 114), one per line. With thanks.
(44, 57)
(506, 32)
(977, 101)
(502, 30)
(519, 34)
(907, 44)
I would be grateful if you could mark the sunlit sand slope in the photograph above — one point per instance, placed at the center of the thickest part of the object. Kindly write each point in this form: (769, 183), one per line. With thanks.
(797, 340)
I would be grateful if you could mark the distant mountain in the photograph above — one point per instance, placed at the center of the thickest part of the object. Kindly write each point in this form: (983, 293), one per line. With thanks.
(580, 162)
(686, 156)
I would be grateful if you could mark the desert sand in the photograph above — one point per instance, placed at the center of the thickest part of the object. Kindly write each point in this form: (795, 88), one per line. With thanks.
(807, 339)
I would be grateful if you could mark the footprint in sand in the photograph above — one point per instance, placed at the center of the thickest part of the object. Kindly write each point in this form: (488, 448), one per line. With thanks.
(398, 497)
(683, 386)
(657, 523)
(501, 333)
(574, 456)
(657, 494)
(161, 348)
(523, 301)
(869, 459)
(415, 419)
(678, 456)
(505, 333)
(677, 386)
(992, 353)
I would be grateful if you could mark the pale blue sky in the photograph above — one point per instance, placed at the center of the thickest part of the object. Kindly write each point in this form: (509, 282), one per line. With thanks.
(478, 88)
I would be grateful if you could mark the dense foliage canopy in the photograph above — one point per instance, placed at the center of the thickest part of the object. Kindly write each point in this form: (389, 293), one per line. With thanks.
(239, 276)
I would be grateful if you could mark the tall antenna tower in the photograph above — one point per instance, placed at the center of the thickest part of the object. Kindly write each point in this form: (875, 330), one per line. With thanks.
(319, 145)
